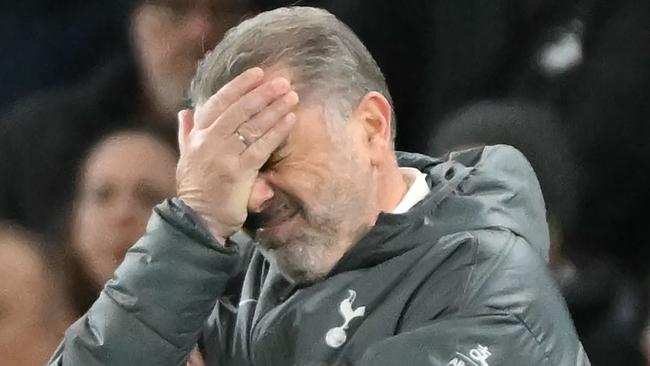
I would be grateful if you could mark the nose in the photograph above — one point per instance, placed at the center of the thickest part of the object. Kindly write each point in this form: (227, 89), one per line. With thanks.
(261, 193)
(124, 212)
(127, 220)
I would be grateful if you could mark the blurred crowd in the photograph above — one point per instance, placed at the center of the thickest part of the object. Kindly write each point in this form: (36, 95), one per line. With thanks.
(90, 90)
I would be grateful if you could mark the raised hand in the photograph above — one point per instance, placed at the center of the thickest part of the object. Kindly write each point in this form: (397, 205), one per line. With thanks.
(226, 140)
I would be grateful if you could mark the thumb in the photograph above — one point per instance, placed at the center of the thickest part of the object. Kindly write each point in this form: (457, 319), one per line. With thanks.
(185, 125)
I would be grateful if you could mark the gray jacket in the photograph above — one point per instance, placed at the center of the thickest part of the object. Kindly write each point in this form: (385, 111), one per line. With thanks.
(459, 280)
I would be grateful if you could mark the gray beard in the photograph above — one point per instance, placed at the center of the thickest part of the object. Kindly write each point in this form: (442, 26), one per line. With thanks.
(305, 259)
(317, 248)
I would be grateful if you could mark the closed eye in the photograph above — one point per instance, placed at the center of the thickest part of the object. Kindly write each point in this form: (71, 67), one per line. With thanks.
(273, 161)
(278, 155)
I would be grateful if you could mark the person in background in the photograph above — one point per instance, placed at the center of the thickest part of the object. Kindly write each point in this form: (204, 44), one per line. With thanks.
(44, 136)
(606, 304)
(169, 38)
(34, 310)
(121, 179)
(536, 131)
(455, 52)
(607, 113)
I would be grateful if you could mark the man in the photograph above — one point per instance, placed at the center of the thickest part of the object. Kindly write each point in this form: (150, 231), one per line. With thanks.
(355, 261)
(148, 87)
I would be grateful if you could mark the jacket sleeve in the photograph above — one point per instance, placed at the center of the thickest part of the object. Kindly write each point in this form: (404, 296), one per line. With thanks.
(480, 340)
(151, 312)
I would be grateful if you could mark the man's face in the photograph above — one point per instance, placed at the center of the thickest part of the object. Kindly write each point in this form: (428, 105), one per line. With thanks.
(319, 197)
(170, 37)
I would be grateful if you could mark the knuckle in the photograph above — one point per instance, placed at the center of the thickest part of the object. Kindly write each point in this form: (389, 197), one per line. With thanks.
(196, 140)
(271, 90)
(291, 98)
(280, 108)
(220, 104)
(250, 75)
(249, 108)
(226, 178)
(193, 141)
(220, 98)
(229, 166)
(241, 115)
(216, 98)
(256, 154)
(284, 104)
(247, 77)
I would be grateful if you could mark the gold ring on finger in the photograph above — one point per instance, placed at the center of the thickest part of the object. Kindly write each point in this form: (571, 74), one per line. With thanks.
(243, 139)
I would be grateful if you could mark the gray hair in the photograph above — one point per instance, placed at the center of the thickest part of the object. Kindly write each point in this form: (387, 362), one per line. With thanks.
(328, 61)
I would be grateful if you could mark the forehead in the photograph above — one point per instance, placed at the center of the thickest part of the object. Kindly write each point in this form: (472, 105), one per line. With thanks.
(130, 154)
(115, 147)
(311, 138)
(318, 114)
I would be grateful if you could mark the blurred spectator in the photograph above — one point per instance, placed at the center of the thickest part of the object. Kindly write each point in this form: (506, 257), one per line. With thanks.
(34, 310)
(44, 136)
(439, 55)
(607, 305)
(535, 131)
(122, 178)
(607, 109)
(609, 309)
(170, 37)
(586, 58)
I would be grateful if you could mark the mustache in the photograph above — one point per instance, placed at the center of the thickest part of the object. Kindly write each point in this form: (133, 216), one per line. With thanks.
(276, 211)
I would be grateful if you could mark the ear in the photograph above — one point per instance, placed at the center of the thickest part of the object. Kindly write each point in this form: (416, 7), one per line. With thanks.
(374, 115)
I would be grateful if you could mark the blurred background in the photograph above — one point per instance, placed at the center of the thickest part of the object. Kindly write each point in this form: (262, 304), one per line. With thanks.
(90, 90)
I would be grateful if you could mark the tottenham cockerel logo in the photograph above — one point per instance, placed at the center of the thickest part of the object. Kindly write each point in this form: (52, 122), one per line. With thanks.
(337, 336)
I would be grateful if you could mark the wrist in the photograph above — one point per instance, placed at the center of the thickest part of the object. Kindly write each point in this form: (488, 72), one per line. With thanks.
(214, 229)
(206, 223)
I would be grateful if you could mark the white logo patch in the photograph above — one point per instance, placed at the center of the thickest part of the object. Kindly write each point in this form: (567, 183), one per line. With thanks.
(477, 357)
(336, 337)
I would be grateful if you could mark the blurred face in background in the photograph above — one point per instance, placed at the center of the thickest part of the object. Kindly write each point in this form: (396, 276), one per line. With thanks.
(33, 316)
(123, 177)
(170, 37)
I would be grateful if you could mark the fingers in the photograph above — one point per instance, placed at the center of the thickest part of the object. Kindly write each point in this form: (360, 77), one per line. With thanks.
(251, 104)
(249, 117)
(230, 93)
(259, 152)
(195, 358)
(257, 126)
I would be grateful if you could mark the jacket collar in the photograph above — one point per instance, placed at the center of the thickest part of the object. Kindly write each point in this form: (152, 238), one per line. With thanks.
(486, 187)
(392, 234)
